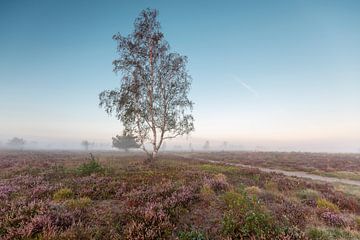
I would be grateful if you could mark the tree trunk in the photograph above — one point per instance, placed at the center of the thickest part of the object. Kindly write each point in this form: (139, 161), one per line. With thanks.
(154, 155)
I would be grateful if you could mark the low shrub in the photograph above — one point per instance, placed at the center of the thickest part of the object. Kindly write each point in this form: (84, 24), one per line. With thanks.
(217, 183)
(90, 167)
(79, 203)
(63, 194)
(342, 200)
(308, 194)
(191, 235)
(357, 222)
(324, 204)
(253, 190)
(206, 192)
(245, 218)
(271, 186)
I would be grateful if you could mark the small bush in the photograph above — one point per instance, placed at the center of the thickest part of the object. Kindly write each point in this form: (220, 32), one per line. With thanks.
(191, 235)
(79, 203)
(63, 194)
(206, 191)
(318, 234)
(308, 194)
(271, 186)
(218, 183)
(342, 200)
(90, 167)
(324, 204)
(253, 190)
(246, 219)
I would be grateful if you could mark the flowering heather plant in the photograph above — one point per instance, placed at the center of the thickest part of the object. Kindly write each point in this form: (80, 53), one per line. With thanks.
(291, 213)
(6, 191)
(333, 219)
(97, 187)
(151, 211)
(37, 225)
(148, 222)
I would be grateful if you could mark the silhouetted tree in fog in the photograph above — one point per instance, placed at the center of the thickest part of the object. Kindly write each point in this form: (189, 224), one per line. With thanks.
(224, 145)
(206, 145)
(152, 101)
(86, 144)
(17, 143)
(191, 147)
(124, 142)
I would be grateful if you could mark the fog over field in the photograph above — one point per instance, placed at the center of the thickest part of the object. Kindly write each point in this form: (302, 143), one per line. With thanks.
(283, 77)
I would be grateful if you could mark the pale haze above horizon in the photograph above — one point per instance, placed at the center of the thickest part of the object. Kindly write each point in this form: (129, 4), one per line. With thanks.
(267, 75)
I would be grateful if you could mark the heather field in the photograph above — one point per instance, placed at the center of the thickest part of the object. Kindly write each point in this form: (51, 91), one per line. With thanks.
(108, 195)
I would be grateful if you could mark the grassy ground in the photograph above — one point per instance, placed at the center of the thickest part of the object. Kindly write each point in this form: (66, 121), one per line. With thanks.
(69, 195)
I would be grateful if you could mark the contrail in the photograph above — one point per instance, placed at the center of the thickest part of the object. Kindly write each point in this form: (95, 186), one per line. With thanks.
(247, 86)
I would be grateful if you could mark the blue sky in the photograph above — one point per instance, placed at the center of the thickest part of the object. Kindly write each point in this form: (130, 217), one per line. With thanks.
(280, 74)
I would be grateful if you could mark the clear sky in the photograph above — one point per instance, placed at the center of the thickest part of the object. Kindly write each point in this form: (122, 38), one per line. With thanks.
(277, 74)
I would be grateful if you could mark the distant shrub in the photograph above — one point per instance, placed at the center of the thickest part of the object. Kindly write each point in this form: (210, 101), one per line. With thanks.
(324, 204)
(308, 196)
(90, 167)
(253, 190)
(331, 233)
(218, 183)
(63, 194)
(191, 235)
(271, 186)
(79, 203)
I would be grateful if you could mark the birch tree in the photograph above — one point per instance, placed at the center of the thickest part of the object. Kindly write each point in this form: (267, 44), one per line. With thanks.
(152, 101)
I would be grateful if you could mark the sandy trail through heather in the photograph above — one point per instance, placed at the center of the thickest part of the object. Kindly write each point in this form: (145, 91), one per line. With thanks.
(299, 174)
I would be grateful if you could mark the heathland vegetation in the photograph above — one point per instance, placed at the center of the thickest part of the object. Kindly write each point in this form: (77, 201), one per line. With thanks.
(57, 195)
